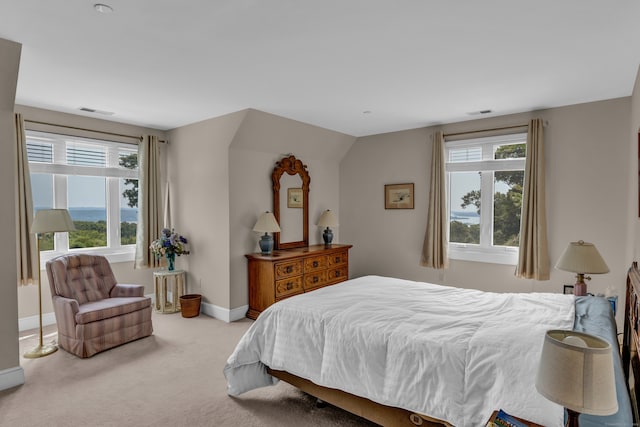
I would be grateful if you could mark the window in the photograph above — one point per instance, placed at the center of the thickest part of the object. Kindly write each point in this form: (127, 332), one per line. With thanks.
(485, 178)
(97, 182)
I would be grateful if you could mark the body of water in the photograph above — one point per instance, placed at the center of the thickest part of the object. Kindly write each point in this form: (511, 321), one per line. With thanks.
(100, 214)
(465, 217)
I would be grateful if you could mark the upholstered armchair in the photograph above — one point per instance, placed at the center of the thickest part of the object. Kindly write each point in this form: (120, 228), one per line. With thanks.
(93, 312)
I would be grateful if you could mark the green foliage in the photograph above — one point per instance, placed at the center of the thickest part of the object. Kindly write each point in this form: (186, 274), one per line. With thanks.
(130, 162)
(91, 234)
(464, 233)
(128, 233)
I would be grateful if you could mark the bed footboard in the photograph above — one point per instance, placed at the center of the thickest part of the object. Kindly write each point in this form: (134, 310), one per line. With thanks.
(365, 408)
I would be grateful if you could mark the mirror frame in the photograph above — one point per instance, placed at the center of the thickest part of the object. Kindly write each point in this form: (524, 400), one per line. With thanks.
(291, 166)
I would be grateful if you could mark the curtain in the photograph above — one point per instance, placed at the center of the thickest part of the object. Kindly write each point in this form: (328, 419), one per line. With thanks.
(533, 260)
(149, 199)
(28, 268)
(434, 249)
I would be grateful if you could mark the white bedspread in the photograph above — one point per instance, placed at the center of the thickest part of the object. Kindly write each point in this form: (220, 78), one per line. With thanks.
(449, 353)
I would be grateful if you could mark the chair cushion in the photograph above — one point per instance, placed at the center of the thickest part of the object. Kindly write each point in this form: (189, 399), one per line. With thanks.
(85, 278)
(110, 307)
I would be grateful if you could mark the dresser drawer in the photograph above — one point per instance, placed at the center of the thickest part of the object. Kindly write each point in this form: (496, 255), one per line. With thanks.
(337, 274)
(288, 287)
(315, 279)
(315, 263)
(340, 258)
(288, 269)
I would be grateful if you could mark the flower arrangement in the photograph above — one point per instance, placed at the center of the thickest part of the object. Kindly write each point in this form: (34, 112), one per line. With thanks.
(169, 243)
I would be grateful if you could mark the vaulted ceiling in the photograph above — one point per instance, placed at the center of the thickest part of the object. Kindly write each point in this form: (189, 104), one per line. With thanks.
(359, 67)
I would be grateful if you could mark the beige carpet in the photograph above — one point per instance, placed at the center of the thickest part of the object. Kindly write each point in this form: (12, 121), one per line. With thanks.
(173, 378)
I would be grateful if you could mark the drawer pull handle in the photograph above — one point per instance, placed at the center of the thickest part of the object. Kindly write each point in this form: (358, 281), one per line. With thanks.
(315, 279)
(315, 263)
(337, 274)
(289, 286)
(337, 259)
(289, 269)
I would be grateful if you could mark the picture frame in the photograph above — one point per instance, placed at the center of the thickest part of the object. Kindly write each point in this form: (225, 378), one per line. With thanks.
(568, 290)
(398, 196)
(294, 198)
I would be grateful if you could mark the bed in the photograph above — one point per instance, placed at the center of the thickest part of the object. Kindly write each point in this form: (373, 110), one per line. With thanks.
(399, 352)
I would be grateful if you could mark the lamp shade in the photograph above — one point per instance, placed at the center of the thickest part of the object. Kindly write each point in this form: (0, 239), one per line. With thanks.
(328, 219)
(267, 223)
(576, 371)
(582, 257)
(52, 220)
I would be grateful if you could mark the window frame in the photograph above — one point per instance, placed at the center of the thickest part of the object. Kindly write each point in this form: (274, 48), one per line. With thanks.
(485, 251)
(112, 172)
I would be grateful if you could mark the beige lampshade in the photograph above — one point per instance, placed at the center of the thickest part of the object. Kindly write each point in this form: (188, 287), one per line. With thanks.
(267, 223)
(576, 371)
(582, 257)
(52, 220)
(328, 219)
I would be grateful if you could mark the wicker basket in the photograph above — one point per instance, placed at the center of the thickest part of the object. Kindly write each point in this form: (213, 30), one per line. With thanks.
(190, 305)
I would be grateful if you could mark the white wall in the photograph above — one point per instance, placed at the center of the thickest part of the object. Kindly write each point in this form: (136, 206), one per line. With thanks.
(10, 373)
(261, 141)
(587, 186)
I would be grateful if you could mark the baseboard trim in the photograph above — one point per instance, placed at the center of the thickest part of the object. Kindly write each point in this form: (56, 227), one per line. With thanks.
(33, 322)
(222, 313)
(211, 310)
(11, 377)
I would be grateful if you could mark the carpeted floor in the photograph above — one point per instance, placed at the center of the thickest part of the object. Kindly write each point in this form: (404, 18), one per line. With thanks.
(173, 378)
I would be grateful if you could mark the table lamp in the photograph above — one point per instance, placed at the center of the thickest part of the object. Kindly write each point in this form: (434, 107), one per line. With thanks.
(47, 221)
(582, 257)
(266, 224)
(327, 219)
(576, 371)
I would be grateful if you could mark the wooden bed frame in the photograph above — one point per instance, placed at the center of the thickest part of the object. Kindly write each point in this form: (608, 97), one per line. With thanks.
(380, 414)
(631, 339)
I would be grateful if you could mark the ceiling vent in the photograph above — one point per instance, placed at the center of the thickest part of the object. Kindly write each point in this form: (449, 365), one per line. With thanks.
(94, 111)
(478, 113)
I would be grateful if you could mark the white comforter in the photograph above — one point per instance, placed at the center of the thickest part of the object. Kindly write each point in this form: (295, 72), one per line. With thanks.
(449, 353)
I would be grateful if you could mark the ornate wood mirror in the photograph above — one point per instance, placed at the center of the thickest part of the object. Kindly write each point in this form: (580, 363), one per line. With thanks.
(291, 209)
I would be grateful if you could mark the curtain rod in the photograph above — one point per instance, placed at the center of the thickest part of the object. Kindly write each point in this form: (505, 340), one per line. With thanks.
(486, 130)
(139, 138)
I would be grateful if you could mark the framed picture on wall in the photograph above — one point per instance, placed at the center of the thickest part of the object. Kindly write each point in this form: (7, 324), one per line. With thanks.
(294, 198)
(398, 196)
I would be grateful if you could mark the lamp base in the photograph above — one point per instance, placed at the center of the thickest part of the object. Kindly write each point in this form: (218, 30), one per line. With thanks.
(41, 351)
(572, 418)
(327, 236)
(266, 244)
(580, 289)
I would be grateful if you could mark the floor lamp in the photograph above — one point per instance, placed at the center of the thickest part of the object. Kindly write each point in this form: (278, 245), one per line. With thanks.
(47, 221)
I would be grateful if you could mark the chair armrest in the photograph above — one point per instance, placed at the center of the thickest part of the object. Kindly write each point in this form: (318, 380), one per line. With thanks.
(65, 309)
(121, 290)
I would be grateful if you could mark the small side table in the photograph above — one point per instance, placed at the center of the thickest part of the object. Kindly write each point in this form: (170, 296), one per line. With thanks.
(165, 281)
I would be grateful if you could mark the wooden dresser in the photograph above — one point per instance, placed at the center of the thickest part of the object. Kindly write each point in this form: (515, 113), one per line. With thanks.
(289, 272)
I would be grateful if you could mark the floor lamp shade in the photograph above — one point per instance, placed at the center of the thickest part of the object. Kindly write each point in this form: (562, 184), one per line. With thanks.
(576, 371)
(52, 220)
(47, 221)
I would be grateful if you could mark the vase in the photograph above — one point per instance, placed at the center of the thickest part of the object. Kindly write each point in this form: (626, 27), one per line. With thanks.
(171, 261)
